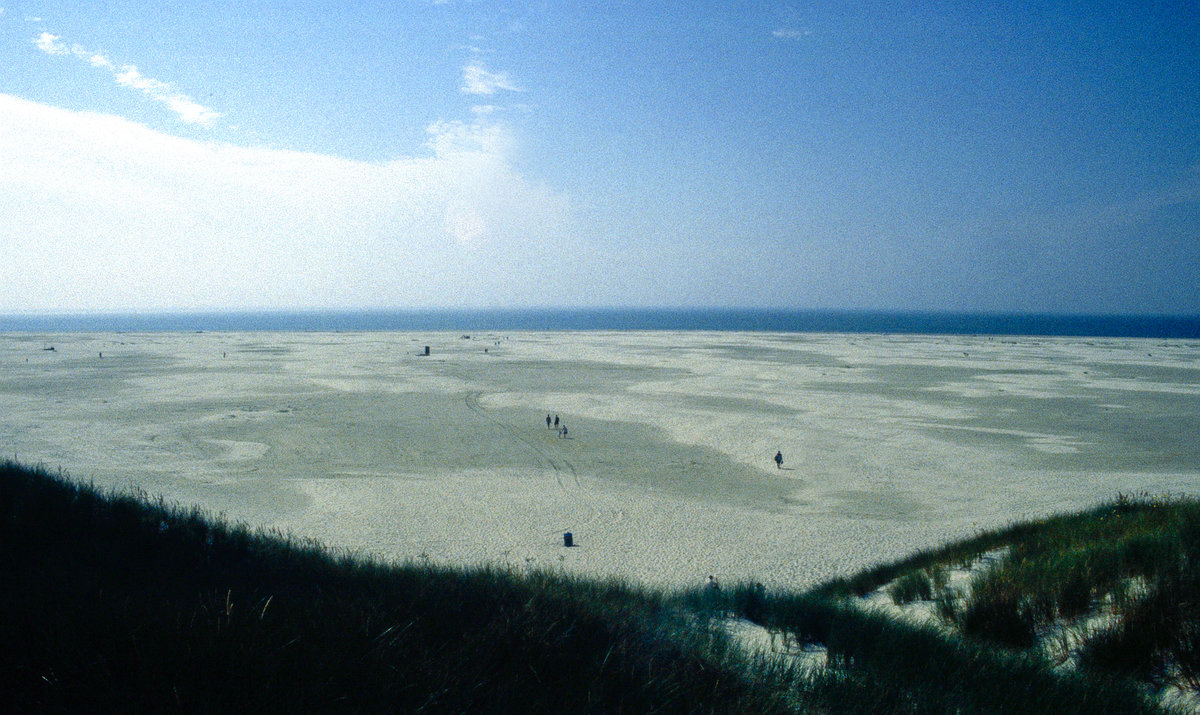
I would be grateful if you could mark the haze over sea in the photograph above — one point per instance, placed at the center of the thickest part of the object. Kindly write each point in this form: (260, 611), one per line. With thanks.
(755, 320)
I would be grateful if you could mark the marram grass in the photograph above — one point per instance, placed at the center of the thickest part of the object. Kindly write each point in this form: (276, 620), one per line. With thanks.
(122, 602)
(116, 603)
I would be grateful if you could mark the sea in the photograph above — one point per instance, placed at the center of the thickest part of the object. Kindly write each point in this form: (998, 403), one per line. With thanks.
(603, 319)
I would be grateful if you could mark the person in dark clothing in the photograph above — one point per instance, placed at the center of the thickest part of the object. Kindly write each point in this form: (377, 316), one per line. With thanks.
(779, 460)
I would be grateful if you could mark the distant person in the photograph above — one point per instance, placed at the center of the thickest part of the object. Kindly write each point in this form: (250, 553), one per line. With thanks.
(563, 432)
(547, 420)
(555, 421)
(779, 460)
(712, 593)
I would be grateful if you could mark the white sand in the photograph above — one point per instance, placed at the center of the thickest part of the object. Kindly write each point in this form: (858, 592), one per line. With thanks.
(891, 443)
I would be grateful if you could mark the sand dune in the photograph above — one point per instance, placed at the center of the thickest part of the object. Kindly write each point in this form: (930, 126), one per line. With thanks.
(891, 443)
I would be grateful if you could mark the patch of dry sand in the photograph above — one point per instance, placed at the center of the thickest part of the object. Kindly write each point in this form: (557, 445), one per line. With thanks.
(891, 443)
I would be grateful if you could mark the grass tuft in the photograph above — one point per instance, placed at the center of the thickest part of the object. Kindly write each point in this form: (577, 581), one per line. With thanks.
(914, 586)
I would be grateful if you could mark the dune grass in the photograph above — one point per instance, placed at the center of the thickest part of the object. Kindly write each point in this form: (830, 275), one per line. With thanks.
(1123, 575)
(1132, 562)
(114, 602)
(1136, 559)
(121, 602)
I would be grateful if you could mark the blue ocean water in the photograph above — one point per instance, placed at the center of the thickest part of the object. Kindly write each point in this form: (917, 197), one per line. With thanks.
(788, 321)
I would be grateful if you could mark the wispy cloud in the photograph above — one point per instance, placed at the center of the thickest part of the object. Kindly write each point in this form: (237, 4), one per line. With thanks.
(479, 80)
(789, 33)
(478, 137)
(187, 109)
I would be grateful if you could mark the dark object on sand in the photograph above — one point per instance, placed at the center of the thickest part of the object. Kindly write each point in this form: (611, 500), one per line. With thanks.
(568, 540)
(426, 349)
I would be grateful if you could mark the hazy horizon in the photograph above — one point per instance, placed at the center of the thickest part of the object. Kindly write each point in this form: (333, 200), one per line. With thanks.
(200, 157)
(483, 309)
(520, 320)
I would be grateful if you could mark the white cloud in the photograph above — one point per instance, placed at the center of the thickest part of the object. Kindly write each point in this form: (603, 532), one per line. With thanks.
(50, 44)
(105, 214)
(184, 107)
(786, 33)
(479, 80)
(99, 61)
(130, 77)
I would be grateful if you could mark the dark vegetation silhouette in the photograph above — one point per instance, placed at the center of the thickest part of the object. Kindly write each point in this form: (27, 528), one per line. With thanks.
(116, 601)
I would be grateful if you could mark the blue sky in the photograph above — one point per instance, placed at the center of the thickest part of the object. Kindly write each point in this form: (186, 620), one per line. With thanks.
(974, 156)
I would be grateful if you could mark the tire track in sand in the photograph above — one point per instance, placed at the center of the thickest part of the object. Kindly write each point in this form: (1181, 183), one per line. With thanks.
(565, 469)
(471, 399)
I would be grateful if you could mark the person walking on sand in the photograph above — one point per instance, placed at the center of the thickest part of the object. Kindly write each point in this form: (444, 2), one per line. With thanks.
(779, 460)
(547, 420)
(555, 421)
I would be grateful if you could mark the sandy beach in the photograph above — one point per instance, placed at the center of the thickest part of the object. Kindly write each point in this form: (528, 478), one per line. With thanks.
(890, 443)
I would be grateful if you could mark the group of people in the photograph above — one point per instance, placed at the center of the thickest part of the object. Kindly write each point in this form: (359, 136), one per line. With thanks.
(562, 431)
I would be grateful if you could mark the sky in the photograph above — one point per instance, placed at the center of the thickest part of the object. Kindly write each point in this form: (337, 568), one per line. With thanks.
(185, 155)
